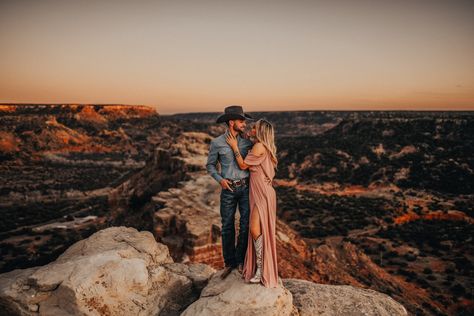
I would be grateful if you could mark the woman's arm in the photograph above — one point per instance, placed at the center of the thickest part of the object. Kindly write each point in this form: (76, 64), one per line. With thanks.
(232, 141)
(240, 159)
(257, 150)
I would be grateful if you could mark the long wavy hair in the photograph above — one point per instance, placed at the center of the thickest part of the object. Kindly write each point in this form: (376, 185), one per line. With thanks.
(265, 134)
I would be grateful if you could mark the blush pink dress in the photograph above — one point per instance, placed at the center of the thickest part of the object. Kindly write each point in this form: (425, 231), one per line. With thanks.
(262, 200)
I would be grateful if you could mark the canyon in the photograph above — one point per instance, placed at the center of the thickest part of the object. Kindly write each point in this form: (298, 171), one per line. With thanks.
(368, 214)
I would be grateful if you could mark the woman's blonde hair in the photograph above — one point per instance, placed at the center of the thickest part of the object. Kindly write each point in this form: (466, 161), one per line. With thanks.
(265, 134)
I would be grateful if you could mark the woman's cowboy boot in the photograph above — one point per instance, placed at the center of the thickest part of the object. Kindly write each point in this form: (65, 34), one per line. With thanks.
(258, 243)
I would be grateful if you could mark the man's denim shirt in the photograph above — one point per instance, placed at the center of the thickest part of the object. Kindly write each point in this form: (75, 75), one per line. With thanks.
(220, 151)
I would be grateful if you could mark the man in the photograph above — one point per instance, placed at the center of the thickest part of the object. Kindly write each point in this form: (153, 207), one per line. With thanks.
(235, 187)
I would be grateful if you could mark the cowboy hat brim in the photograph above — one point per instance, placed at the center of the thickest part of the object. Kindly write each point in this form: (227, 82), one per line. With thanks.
(233, 116)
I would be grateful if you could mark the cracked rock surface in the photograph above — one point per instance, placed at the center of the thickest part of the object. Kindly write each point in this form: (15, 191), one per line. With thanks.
(116, 271)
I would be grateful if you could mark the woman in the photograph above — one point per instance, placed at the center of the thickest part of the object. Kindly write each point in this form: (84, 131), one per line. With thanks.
(260, 264)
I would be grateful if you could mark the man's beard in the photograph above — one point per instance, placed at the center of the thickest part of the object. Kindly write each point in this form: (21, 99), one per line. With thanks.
(239, 130)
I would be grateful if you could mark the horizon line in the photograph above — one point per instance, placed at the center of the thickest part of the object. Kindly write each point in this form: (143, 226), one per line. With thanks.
(156, 107)
(358, 109)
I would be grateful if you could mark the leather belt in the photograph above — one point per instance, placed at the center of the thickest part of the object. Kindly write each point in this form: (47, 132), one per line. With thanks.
(240, 182)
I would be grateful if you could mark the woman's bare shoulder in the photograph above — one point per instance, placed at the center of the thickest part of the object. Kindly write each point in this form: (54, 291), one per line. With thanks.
(258, 149)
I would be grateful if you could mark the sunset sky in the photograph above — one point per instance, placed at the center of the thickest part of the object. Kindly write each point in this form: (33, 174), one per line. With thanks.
(187, 56)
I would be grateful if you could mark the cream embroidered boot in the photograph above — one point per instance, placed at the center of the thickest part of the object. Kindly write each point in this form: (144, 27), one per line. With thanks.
(258, 252)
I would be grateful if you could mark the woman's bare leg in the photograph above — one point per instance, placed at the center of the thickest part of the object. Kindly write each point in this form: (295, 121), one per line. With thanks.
(255, 228)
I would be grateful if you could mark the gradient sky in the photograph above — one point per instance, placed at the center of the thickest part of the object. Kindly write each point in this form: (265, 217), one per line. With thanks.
(187, 56)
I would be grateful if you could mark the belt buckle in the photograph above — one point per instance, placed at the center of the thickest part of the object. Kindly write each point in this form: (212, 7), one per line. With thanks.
(238, 183)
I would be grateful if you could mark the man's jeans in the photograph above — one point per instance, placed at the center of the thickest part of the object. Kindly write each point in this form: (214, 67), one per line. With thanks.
(234, 255)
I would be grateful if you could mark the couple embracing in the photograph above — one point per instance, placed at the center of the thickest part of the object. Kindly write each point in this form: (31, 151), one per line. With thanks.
(248, 163)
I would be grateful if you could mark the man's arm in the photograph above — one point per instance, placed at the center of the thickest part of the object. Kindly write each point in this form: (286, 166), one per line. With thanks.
(212, 162)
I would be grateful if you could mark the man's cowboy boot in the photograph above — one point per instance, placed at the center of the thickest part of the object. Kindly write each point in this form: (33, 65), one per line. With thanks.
(258, 252)
(226, 272)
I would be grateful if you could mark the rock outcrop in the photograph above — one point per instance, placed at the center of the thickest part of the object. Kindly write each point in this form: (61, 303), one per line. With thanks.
(189, 222)
(292, 297)
(233, 296)
(340, 300)
(96, 112)
(192, 148)
(116, 271)
(120, 271)
(187, 219)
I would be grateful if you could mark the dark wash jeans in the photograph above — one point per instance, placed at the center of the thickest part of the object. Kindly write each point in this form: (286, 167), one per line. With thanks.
(234, 255)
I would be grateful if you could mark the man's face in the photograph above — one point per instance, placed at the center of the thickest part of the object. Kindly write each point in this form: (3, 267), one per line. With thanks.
(239, 125)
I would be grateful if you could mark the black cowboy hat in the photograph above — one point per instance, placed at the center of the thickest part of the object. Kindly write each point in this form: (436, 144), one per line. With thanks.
(233, 112)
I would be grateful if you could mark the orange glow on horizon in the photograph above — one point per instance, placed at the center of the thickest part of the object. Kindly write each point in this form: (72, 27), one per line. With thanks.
(265, 55)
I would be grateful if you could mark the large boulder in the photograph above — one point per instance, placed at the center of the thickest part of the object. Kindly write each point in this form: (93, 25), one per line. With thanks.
(232, 296)
(116, 271)
(341, 300)
(120, 271)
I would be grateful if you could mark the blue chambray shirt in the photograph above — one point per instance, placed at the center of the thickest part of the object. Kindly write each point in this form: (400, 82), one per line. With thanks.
(221, 152)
